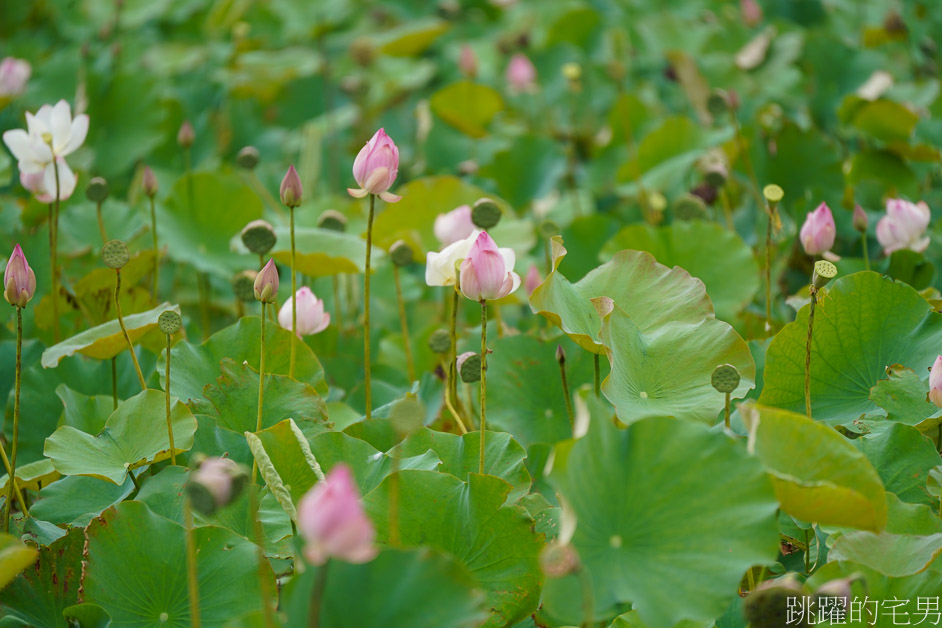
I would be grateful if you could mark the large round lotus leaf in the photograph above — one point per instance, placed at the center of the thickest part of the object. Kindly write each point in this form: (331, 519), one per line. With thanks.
(432, 590)
(412, 38)
(195, 366)
(668, 371)
(529, 168)
(203, 212)
(135, 435)
(894, 555)
(707, 250)
(75, 499)
(669, 516)
(320, 252)
(106, 340)
(864, 324)
(38, 595)
(650, 293)
(818, 474)
(144, 584)
(412, 219)
(470, 521)
(903, 457)
(467, 106)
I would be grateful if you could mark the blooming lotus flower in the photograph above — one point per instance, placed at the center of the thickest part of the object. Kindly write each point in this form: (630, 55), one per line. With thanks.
(19, 281)
(532, 280)
(440, 267)
(904, 226)
(454, 225)
(468, 61)
(14, 74)
(51, 134)
(521, 74)
(376, 167)
(266, 283)
(818, 232)
(312, 319)
(486, 273)
(291, 189)
(935, 382)
(36, 183)
(332, 522)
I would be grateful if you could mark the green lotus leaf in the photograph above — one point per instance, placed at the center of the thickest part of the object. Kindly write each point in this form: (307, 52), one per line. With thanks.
(31, 476)
(135, 435)
(903, 457)
(707, 250)
(411, 38)
(286, 462)
(470, 521)
(76, 499)
(467, 106)
(38, 595)
(866, 323)
(904, 397)
(669, 516)
(322, 252)
(818, 474)
(894, 555)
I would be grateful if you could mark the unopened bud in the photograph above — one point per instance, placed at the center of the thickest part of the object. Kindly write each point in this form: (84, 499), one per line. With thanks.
(860, 219)
(560, 355)
(440, 341)
(401, 254)
(258, 237)
(97, 190)
(266, 283)
(248, 158)
(149, 182)
(186, 135)
(332, 220)
(469, 367)
(115, 254)
(770, 603)
(291, 189)
(485, 214)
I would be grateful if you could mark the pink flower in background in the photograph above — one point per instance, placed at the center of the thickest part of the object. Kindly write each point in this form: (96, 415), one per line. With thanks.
(454, 225)
(36, 183)
(486, 274)
(521, 74)
(818, 233)
(861, 221)
(751, 12)
(312, 319)
(332, 521)
(468, 61)
(376, 167)
(532, 280)
(935, 382)
(904, 226)
(14, 74)
(19, 281)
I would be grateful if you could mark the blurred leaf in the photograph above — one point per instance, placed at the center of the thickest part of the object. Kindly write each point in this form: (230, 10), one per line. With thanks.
(412, 38)
(321, 252)
(37, 596)
(286, 463)
(894, 555)
(528, 170)
(467, 106)
(904, 397)
(15, 556)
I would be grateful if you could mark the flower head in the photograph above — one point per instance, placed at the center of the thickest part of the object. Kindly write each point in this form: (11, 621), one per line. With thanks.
(935, 382)
(14, 74)
(440, 267)
(533, 279)
(266, 283)
(521, 74)
(468, 61)
(149, 182)
(311, 317)
(487, 273)
(291, 189)
(36, 183)
(332, 522)
(186, 135)
(818, 232)
(904, 226)
(19, 281)
(216, 483)
(861, 221)
(376, 167)
(454, 225)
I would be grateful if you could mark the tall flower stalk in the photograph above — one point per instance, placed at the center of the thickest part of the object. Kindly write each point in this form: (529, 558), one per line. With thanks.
(115, 255)
(266, 291)
(169, 323)
(824, 271)
(773, 196)
(97, 191)
(19, 287)
(374, 169)
(291, 192)
(401, 255)
(149, 185)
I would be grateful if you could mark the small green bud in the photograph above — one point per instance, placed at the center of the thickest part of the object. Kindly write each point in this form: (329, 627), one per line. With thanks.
(689, 207)
(243, 285)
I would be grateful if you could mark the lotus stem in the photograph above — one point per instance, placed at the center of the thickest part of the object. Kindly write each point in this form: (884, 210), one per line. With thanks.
(261, 387)
(483, 380)
(18, 494)
(294, 301)
(192, 576)
(598, 379)
(259, 533)
(317, 595)
(561, 359)
(16, 425)
(727, 411)
(814, 302)
(404, 322)
(768, 274)
(173, 452)
(54, 252)
(394, 502)
(866, 255)
(338, 306)
(153, 228)
(366, 306)
(452, 369)
(101, 225)
(114, 381)
(124, 330)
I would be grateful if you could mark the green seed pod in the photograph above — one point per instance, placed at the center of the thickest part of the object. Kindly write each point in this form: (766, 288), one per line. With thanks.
(169, 322)
(243, 285)
(248, 158)
(440, 341)
(97, 190)
(333, 220)
(773, 193)
(115, 254)
(258, 237)
(485, 214)
(767, 606)
(401, 254)
(469, 367)
(689, 207)
(718, 103)
(824, 271)
(725, 378)
(407, 415)
(716, 175)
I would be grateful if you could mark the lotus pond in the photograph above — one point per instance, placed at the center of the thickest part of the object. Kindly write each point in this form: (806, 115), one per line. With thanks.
(502, 313)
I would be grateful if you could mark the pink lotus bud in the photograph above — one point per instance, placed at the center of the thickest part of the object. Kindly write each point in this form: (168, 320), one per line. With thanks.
(312, 319)
(818, 232)
(750, 11)
(935, 382)
(186, 135)
(532, 279)
(487, 274)
(36, 182)
(468, 61)
(860, 219)
(521, 74)
(14, 74)
(454, 225)
(291, 189)
(332, 522)
(266, 283)
(376, 167)
(149, 182)
(904, 226)
(19, 281)
(215, 484)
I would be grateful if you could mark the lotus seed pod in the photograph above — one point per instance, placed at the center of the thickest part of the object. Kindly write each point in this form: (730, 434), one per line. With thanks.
(169, 322)
(725, 378)
(97, 190)
(332, 220)
(773, 194)
(558, 559)
(716, 175)
(572, 71)
(824, 271)
(258, 237)
(718, 103)
(243, 285)
(362, 51)
(768, 605)
(401, 254)
(469, 367)
(440, 341)
(186, 135)
(656, 202)
(549, 229)
(248, 158)
(485, 214)
(407, 415)
(690, 207)
(115, 254)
